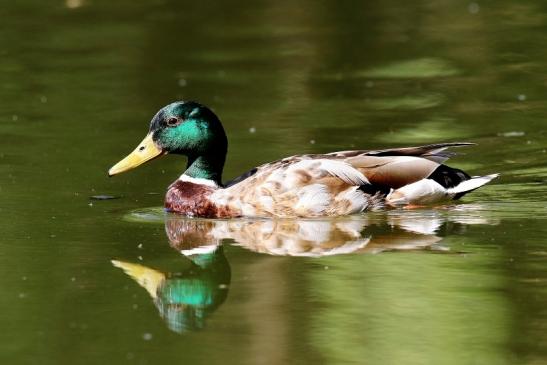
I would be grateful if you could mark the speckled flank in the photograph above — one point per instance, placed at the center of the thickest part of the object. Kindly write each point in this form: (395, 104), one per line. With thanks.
(340, 183)
(299, 186)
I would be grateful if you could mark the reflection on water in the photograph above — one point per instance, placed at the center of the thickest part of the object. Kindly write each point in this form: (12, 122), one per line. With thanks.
(308, 238)
(186, 298)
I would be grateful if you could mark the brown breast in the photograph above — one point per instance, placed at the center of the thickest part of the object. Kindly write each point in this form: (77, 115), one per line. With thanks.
(191, 199)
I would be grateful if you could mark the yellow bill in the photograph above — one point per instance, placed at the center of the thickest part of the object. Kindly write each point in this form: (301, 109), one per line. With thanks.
(145, 151)
(148, 278)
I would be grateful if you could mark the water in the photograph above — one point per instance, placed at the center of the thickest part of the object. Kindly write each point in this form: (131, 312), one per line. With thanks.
(91, 281)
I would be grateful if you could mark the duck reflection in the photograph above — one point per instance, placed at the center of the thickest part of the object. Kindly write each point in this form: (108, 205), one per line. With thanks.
(307, 238)
(185, 299)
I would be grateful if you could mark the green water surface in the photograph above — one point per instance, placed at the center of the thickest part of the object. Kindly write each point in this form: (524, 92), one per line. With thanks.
(114, 281)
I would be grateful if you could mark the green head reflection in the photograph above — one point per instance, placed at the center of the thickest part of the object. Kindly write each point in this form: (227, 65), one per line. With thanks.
(185, 299)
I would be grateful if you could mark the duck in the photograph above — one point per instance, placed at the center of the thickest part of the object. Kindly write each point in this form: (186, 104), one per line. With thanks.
(305, 186)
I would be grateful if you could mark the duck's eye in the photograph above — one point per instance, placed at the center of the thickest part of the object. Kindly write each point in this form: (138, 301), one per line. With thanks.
(172, 121)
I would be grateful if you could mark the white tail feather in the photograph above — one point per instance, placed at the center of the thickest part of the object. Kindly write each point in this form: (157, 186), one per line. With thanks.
(427, 191)
(474, 183)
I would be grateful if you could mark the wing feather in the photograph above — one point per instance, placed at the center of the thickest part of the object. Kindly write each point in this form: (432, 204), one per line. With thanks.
(341, 169)
(393, 171)
(434, 152)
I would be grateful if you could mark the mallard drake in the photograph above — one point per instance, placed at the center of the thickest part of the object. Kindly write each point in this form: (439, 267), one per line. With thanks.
(313, 185)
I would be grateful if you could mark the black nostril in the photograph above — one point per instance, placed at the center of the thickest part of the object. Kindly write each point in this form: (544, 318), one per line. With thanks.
(141, 148)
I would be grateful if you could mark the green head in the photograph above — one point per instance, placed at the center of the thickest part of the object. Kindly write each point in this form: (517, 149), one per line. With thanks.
(184, 128)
